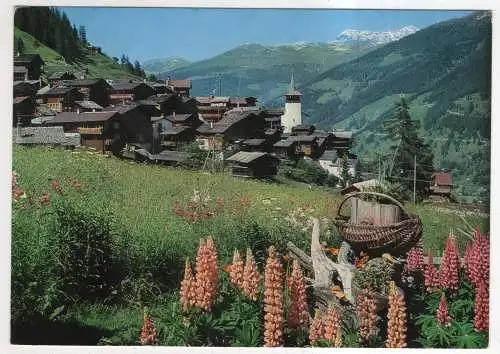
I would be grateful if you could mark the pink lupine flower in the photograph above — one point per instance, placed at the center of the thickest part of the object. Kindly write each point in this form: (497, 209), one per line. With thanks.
(449, 265)
(481, 308)
(442, 315)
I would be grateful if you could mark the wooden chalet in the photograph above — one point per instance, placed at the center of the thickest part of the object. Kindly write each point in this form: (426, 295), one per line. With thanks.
(160, 87)
(172, 137)
(273, 118)
(186, 119)
(61, 99)
(233, 126)
(441, 184)
(307, 145)
(26, 88)
(236, 102)
(303, 130)
(20, 73)
(135, 123)
(108, 130)
(253, 164)
(56, 78)
(127, 92)
(32, 63)
(182, 87)
(86, 106)
(24, 110)
(286, 149)
(341, 140)
(92, 89)
(255, 144)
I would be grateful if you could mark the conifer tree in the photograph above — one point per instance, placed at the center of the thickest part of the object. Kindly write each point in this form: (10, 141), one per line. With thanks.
(407, 144)
(83, 34)
(345, 177)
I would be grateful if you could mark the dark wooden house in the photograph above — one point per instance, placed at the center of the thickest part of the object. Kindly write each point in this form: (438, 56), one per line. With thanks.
(341, 141)
(107, 130)
(33, 64)
(24, 109)
(61, 99)
(233, 126)
(285, 149)
(303, 130)
(307, 145)
(441, 184)
(235, 102)
(26, 88)
(96, 90)
(179, 134)
(186, 119)
(126, 92)
(253, 164)
(56, 78)
(20, 73)
(86, 106)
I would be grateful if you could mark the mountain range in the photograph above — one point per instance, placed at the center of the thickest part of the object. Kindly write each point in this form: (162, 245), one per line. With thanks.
(444, 71)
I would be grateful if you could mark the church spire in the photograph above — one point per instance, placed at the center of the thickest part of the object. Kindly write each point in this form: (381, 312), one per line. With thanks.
(292, 85)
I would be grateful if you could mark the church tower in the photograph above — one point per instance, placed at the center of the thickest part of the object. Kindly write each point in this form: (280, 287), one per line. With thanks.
(292, 115)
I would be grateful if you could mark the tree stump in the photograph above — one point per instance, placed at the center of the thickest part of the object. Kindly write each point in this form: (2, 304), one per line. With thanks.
(327, 274)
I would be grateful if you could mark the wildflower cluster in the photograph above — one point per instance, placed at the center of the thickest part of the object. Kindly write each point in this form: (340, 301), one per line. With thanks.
(431, 274)
(326, 328)
(442, 315)
(273, 300)
(298, 316)
(396, 325)
(450, 264)
(148, 332)
(201, 290)
(17, 192)
(366, 310)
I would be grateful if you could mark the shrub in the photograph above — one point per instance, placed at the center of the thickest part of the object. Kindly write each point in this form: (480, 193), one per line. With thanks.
(84, 250)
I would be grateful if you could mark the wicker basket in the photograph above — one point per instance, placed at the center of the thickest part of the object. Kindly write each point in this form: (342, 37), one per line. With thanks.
(375, 240)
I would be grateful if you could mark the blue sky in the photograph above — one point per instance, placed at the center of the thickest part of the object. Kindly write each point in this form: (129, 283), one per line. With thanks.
(195, 34)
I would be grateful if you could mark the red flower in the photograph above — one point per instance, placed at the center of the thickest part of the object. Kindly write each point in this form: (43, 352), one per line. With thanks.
(415, 259)
(449, 265)
(442, 315)
(45, 199)
(481, 308)
(431, 275)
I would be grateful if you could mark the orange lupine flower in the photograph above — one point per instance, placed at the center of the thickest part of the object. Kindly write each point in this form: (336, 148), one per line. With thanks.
(251, 276)
(236, 270)
(298, 316)
(188, 291)
(206, 274)
(366, 310)
(338, 338)
(273, 300)
(332, 324)
(396, 325)
(316, 330)
(148, 332)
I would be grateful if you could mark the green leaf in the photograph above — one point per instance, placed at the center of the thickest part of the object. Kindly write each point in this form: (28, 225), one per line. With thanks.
(57, 312)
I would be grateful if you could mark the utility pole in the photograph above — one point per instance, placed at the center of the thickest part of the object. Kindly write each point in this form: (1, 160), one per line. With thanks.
(379, 177)
(414, 178)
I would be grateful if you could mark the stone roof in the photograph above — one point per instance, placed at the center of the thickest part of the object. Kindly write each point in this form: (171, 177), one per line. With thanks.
(88, 104)
(247, 157)
(44, 135)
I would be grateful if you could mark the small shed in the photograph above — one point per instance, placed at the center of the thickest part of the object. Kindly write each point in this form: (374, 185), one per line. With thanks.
(253, 164)
(441, 183)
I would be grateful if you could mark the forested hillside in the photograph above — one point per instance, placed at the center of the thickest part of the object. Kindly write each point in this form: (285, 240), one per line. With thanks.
(64, 47)
(444, 71)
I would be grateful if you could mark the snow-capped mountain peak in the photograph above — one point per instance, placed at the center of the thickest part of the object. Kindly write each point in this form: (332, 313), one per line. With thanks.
(376, 37)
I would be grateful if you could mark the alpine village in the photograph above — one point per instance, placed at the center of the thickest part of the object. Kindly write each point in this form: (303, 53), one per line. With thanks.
(178, 207)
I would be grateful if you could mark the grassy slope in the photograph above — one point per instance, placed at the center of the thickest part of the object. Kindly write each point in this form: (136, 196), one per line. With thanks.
(99, 66)
(142, 197)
